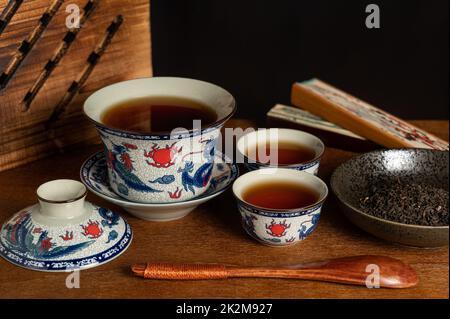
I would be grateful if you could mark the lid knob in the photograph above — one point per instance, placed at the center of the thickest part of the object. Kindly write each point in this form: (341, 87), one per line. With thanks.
(62, 198)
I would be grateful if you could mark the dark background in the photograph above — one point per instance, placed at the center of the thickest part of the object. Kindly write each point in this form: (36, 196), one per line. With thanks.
(257, 49)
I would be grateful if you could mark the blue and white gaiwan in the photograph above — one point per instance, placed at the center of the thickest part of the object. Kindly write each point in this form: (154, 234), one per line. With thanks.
(63, 232)
(279, 227)
(160, 167)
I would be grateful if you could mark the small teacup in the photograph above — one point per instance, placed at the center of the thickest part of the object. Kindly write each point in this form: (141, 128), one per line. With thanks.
(279, 136)
(279, 227)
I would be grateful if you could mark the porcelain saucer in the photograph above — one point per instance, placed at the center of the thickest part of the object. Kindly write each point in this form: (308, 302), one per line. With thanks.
(94, 175)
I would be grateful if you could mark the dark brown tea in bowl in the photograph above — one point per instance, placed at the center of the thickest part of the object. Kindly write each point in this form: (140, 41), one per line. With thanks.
(280, 195)
(157, 114)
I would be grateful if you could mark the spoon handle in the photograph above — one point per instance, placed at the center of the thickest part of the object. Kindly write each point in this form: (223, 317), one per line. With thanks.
(357, 270)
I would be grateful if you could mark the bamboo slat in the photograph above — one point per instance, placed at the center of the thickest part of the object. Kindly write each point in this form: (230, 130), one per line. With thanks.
(23, 135)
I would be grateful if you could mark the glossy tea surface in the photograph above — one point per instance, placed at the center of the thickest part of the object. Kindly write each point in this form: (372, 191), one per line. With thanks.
(282, 153)
(280, 195)
(157, 114)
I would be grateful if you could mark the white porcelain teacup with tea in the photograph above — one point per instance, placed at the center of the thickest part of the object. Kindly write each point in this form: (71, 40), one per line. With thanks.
(286, 148)
(279, 206)
(159, 166)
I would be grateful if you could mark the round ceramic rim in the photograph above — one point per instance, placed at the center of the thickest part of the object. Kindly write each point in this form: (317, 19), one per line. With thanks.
(359, 211)
(71, 200)
(285, 211)
(297, 212)
(217, 123)
(295, 165)
(123, 201)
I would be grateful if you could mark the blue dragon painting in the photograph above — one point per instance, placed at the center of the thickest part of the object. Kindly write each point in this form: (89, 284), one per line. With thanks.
(110, 218)
(201, 177)
(304, 231)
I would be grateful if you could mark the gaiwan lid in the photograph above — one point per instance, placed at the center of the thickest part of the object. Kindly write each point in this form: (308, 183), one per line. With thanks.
(63, 231)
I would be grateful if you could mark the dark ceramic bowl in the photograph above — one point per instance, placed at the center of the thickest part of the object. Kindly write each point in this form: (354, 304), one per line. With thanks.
(351, 180)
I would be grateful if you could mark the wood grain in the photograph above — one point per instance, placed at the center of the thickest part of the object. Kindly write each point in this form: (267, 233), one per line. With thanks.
(8, 12)
(213, 234)
(62, 49)
(351, 270)
(91, 62)
(27, 45)
(23, 137)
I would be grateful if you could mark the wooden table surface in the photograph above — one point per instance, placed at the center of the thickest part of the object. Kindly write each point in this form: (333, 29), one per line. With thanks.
(212, 234)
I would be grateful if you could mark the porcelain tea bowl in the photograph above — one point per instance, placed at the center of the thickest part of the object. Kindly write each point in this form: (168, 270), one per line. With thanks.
(63, 232)
(150, 168)
(275, 227)
(278, 135)
(351, 181)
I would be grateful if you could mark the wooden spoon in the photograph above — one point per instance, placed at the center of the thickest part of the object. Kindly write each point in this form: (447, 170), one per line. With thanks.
(357, 270)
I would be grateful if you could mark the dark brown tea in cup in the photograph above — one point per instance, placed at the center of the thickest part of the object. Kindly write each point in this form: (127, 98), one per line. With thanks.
(157, 114)
(288, 153)
(280, 195)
